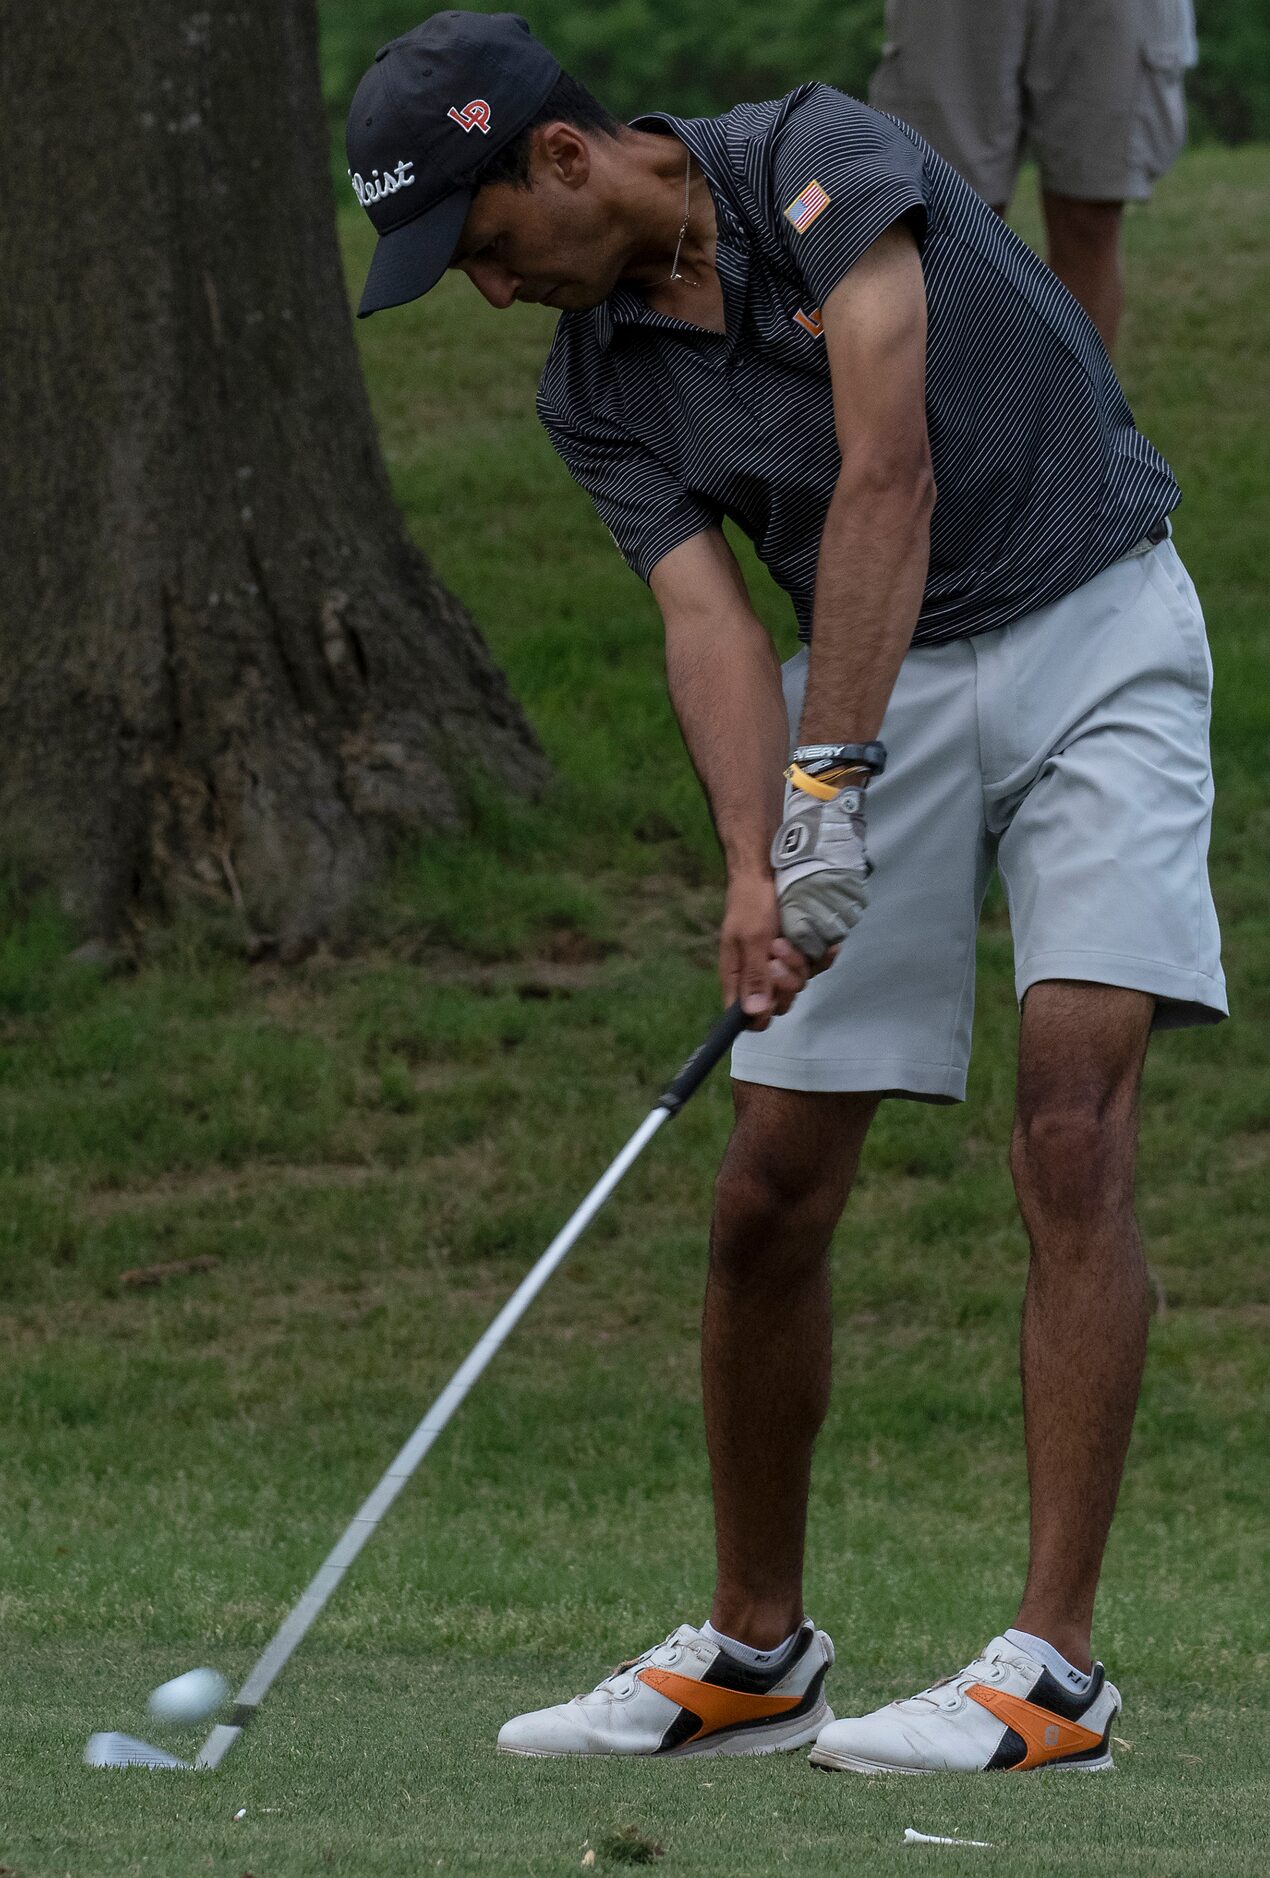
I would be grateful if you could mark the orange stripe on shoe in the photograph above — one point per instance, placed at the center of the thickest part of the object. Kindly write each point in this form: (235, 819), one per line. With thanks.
(716, 1707)
(1048, 1736)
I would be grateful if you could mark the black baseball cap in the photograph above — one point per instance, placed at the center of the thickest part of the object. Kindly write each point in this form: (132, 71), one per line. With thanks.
(436, 104)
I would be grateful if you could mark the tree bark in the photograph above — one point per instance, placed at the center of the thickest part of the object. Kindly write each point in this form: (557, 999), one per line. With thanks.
(223, 666)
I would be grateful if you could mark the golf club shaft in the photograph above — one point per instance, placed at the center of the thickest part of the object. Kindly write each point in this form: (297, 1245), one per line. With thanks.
(303, 1614)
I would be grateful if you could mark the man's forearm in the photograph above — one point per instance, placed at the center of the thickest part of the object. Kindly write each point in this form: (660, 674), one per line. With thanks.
(725, 685)
(870, 579)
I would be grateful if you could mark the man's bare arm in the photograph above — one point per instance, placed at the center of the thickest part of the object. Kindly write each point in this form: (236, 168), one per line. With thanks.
(725, 685)
(875, 547)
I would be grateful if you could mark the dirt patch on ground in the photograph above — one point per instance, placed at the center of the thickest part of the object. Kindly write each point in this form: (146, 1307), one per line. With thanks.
(225, 1184)
(1246, 1153)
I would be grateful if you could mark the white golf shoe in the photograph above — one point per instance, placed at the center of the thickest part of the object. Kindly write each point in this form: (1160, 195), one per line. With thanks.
(687, 1696)
(1005, 1711)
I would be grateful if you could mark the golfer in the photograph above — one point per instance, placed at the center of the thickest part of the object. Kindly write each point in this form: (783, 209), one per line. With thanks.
(799, 317)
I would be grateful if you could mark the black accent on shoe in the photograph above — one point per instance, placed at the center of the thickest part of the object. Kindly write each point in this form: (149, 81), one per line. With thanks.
(686, 1724)
(726, 1672)
(683, 1728)
(811, 1695)
(1086, 1754)
(1011, 1749)
(1048, 1692)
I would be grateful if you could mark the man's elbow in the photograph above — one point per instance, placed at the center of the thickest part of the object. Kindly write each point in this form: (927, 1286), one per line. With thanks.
(921, 490)
(902, 482)
(926, 479)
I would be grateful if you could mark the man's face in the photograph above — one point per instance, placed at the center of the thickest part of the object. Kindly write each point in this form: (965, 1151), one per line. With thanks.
(553, 244)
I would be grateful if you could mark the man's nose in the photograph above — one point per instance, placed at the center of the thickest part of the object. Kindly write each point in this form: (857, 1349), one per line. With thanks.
(497, 284)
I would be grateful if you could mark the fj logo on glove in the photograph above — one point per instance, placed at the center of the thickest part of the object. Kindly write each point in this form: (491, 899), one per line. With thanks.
(791, 840)
(820, 868)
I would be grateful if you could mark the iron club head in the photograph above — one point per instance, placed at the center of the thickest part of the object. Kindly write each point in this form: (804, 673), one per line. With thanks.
(116, 1750)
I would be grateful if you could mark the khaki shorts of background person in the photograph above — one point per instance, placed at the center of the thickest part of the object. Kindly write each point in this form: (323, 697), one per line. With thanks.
(1093, 89)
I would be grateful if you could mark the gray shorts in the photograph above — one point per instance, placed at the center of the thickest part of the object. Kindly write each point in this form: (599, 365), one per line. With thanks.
(1092, 87)
(1070, 751)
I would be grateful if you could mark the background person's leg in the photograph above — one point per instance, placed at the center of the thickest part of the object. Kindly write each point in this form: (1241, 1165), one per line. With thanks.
(1106, 116)
(766, 1341)
(953, 70)
(1084, 251)
(1087, 1304)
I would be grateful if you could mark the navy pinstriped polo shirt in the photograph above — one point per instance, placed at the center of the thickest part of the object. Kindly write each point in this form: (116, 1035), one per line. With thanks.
(1042, 478)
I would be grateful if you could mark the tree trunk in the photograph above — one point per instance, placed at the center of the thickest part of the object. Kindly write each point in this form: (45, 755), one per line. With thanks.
(223, 666)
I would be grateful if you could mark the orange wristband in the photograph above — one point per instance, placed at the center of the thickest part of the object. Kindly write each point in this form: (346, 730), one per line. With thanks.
(810, 785)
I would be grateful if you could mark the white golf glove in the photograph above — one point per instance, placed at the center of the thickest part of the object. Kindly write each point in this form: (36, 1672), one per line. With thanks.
(821, 868)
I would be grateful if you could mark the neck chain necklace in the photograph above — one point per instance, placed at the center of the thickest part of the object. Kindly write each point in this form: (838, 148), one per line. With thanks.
(683, 227)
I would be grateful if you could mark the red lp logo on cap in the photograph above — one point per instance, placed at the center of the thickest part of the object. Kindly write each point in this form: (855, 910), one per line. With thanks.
(473, 116)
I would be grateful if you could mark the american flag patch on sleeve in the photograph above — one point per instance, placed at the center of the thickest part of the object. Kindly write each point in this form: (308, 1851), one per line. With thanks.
(804, 209)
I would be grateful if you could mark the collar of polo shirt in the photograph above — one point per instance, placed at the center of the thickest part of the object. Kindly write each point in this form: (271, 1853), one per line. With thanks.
(626, 307)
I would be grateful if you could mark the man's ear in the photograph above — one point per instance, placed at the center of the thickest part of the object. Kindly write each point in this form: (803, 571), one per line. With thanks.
(564, 151)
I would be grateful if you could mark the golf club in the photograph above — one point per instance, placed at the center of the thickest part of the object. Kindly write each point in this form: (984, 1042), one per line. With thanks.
(120, 1750)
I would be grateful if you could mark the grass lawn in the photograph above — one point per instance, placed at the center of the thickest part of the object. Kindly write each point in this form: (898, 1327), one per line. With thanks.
(365, 1152)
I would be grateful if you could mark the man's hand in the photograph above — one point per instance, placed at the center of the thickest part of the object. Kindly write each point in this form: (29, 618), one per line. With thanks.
(756, 964)
(821, 867)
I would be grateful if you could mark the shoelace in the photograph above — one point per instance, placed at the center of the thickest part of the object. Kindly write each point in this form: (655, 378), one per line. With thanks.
(622, 1679)
(988, 1668)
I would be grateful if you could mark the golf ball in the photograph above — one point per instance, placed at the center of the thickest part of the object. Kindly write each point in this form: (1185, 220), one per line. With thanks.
(189, 1698)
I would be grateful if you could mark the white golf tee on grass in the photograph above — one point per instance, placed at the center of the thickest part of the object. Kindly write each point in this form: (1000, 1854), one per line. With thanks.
(913, 1837)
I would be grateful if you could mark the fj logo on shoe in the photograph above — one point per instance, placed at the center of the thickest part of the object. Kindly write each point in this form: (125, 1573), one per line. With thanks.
(473, 116)
(804, 209)
(811, 322)
(386, 185)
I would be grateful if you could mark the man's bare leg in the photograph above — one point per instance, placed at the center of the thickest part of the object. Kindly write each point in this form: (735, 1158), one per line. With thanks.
(766, 1341)
(1084, 251)
(1087, 1305)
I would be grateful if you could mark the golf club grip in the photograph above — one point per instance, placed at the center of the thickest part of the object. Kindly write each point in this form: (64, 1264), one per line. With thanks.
(703, 1059)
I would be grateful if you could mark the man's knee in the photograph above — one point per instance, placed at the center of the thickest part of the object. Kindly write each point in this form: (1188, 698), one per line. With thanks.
(754, 1194)
(1072, 1161)
(783, 1184)
(1087, 228)
(1075, 1130)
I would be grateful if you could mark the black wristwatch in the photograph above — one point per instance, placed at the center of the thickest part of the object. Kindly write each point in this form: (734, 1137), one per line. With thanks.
(816, 759)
